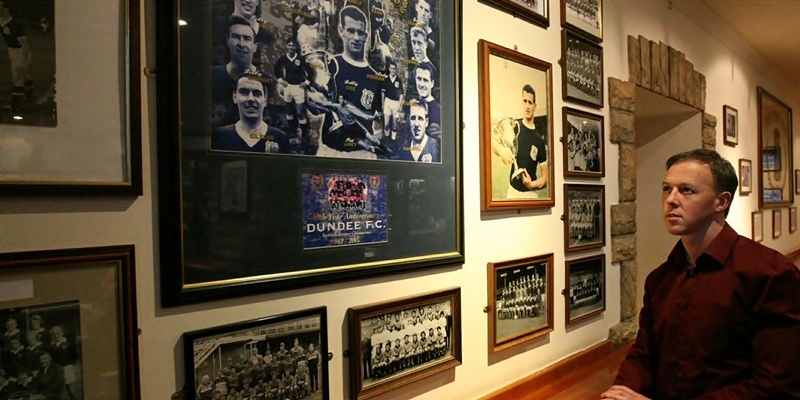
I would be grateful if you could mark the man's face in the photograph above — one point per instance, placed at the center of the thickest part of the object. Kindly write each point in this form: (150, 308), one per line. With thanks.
(246, 8)
(44, 360)
(251, 99)
(528, 105)
(354, 34)
(688, 198)
(392, 70)
(291, 48)
(241, 44)
(424, 82)
(420, 47)
(423, 9)
(418, 121)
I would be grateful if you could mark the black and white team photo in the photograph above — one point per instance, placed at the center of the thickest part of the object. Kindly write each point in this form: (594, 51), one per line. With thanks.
(584, 145)
(586, 286)
(584, 70)
(585, 217)
(521, 299)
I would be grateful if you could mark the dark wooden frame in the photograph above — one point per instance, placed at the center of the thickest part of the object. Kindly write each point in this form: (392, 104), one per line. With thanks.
(567, 37)
(131, 185)
(757, 226)
(519, 11)
(355, 315)
(123, 259)
(189, 339)
(485, 50)
(725, 111)
(569, 268)
(566, 112)
(497, 344)
(777, 227)
(742, 163)
(783, 146)
(568, 188)
(590, 35)
(792, 219)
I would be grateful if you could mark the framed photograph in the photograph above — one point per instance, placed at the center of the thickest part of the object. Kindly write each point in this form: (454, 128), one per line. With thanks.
(797, 181)
(745, 176)
(536, 12)
(584, 217)
(730, 125)
(584, 16)
(51, 141)
(339, 184)
(758, 226)
(401, 341)
(286, 354)
(774, 151)
(520, 300)
(584, 151)
(516, 100)
(79, 338)
(585, 293)
(776, 223)
(792, 219)
(582, 72)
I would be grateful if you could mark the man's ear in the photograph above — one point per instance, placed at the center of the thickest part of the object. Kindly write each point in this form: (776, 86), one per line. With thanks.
(723, 201)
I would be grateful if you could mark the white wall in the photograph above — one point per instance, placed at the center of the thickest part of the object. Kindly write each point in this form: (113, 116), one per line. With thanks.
(46, 223)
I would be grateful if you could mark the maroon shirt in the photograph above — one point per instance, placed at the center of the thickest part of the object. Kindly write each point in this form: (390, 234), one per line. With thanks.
(727, 329)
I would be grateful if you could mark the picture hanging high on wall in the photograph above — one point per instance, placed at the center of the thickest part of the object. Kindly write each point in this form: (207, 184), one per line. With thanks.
(582, 70)
(536, 12)
(585, 16)
(730, 125)
(584, 151)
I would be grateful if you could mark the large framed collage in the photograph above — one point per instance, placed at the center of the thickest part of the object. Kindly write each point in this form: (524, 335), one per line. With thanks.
(345, 118)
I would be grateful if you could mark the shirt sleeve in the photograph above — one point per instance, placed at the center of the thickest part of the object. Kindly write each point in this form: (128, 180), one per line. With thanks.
(637, 371)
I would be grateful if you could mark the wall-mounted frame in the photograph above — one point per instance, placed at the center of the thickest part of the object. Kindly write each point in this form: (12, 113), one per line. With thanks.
(302, 228)
(290, 351)
(792, 219)
(582, 70)
(585, 293)
(584, 151)
(77, 154)
(774, 151)
(402, 323)
(584, 16)
(730, 125)
(797, 181)
(516, 99)
(777, 228)
(536, 12)
(39, 299)
(757, 226)
(520, 300)
(584, 217)
(745, 176)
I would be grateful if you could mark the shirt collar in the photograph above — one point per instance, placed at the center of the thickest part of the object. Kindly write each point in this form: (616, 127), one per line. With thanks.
(719, 250)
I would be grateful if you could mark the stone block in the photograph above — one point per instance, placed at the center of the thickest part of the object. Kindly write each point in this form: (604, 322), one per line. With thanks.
(709, 136)
(709, 120)
(655, 67)
(623, 219)
(644, 47)
(634, 61)
(623, 248)
(627, 172)
(628, 294)
(622, 123)
(623, 332)
(621, 94)
(674, 74)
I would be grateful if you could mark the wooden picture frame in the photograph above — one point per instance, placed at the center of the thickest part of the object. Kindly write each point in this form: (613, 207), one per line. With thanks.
(516, 173)
(80, 154)
(757, 226)
(536, 12)
(730, 130)
(520, 300)
(585, 17)
(373, 326)
(293, 345)
(94, 322)
(792, 219)
(305, 226)
(584, 217)
(777, 228)
(585, 292)
(745, 176)
(797, 181)
(583, 139)
(774, 151)
(582, 70)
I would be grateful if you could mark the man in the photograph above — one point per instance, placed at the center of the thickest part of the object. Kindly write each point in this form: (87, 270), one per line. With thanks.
(424, 13)
(250, 133)
(308, 27)
(392, 98)
(246, 9)
(423, 77)
(419, 45)
(531, 152)
(291, 73)
(19, 52)
(421, 147)
(49, 383)
(721, 317)
(381, 35)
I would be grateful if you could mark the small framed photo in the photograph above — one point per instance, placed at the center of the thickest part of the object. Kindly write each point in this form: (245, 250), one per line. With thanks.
(287, 356)
(745, 176)
(585, 16)
(585, 292)
(520, 300)
(536, 12)
(401, 341)
(776, 223)
(62, 339)
(758, 226)
(582, 72)
(792, 219)
(233, 188)
(584, 217)
(771, 158)
(731, 125)
(584, 150)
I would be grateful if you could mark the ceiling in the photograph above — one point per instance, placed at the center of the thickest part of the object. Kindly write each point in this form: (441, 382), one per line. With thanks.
(768, 29)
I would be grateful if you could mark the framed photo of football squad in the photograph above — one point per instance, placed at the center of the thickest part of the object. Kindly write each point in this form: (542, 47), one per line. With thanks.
(776, 223)
(586, 288)
(536, 12)
(520, 303)
(584, 16)
(584, 217)
(516, 102)
(66, 340)
(290, 351)
(397, 342)
(332, 125)
(582, 72)
(584, 150)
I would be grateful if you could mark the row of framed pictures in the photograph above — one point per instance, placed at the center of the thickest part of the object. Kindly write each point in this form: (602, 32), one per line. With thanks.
(584, 16)
(777, 223)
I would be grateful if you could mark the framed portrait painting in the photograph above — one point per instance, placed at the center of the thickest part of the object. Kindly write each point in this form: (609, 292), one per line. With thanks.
(82, 338)
(312, 120)
(582, 72)
(584, 217)
(585, 293)
(775, 151)
(758, 226)
(730, 125)
(745, 176)
(584, 16)
(520, 300)
(516, 129)
(584, 144)
(397, 342)
(536, 12)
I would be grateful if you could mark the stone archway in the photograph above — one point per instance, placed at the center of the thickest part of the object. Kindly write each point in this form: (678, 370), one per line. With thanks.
(664, 71)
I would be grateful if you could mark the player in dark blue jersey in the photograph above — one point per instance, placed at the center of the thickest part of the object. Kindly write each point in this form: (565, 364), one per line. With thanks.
(423, 77)
(381, 34)
(420, 147)
(19, 52)
(292, 75)
(250, 133)
(424, 13)
(392, 92)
